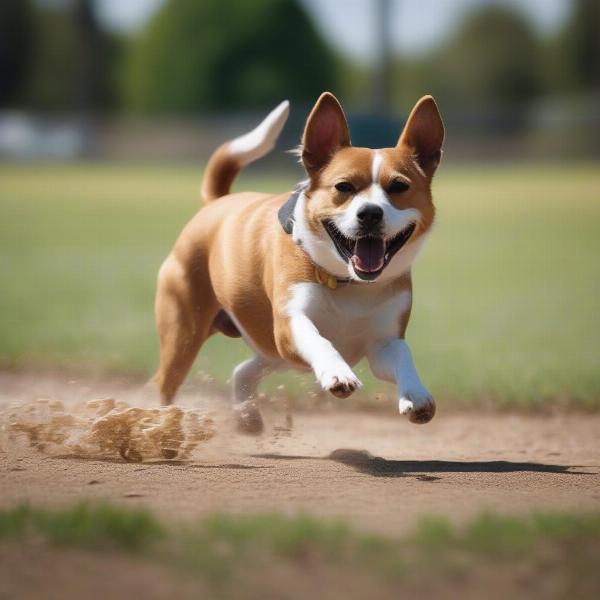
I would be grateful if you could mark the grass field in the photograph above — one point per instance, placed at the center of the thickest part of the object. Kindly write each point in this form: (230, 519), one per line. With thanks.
(547, 554)
(507, 294)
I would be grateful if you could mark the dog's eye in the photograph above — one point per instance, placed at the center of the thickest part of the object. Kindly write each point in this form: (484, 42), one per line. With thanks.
(345, 187)
(398, 186)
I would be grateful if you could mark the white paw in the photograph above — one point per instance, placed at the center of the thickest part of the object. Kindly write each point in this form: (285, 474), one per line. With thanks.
(418, 405)
(340, 380)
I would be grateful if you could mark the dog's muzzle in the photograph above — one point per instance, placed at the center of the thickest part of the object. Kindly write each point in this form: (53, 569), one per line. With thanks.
(368, 253)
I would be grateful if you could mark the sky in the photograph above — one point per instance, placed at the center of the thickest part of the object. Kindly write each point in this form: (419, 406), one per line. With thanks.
(349, 25)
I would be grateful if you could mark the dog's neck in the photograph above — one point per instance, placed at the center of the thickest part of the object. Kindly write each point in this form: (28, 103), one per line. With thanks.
(287, 219)
(286, 212)
(318, 250)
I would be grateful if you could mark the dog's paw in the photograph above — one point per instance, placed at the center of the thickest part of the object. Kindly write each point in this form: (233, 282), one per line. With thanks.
(249, 419)
(419, 406)
(341, 381)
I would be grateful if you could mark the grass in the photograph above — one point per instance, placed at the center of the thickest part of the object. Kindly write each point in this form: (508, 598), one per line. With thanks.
(84, 525)
(506, 294)
(222, 548)
(499, 536)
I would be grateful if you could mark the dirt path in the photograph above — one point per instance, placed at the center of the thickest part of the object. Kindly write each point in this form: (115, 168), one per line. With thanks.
(379, 472)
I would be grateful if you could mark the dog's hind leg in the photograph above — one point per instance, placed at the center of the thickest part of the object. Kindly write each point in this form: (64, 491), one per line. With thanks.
(245, 380)
(185, 311)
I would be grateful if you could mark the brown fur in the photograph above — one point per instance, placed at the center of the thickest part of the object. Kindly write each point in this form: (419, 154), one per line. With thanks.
(234, 256)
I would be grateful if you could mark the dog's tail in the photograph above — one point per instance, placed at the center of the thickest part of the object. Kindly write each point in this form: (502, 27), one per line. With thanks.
(230, 158)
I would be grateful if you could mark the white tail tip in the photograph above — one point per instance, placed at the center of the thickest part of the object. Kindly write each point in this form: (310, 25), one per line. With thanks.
(261, 140)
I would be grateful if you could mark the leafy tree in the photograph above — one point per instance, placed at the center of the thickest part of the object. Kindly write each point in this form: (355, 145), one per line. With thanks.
(55, 57)
(579, 46)
(218, 54)
(16, 38)
(491, 62)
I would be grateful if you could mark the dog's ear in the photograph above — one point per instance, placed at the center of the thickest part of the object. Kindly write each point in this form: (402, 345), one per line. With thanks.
(424, 134)
(325, 132)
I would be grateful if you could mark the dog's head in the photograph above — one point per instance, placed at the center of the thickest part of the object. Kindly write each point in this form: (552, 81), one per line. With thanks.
(364, 213)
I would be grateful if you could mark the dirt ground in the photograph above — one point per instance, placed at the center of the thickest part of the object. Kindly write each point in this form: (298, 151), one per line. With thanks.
(379, 472)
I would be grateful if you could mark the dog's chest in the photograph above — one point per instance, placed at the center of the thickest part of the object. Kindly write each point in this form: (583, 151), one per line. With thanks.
(353, 317)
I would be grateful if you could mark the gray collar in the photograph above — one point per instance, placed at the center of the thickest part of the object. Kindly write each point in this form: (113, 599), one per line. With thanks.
(286, 212)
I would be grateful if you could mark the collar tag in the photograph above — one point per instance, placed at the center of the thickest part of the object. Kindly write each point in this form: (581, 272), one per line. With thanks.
(325, 278)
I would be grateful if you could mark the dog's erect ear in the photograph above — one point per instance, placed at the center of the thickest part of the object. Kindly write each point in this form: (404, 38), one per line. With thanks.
(424, 134)
(326, 131)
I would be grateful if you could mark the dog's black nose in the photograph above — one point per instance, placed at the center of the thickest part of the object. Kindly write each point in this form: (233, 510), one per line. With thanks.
(369, 215)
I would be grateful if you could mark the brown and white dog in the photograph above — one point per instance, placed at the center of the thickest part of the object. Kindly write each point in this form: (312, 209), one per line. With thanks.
(314, 279)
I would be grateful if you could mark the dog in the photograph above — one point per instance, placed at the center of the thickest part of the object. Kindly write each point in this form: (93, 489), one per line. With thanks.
(314, 279)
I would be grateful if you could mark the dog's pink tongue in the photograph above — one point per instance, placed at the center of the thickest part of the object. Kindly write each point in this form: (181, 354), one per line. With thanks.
(368, 254)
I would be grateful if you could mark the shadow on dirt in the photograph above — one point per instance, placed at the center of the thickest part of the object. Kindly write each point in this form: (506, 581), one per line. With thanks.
(376, 466)
(365, 462)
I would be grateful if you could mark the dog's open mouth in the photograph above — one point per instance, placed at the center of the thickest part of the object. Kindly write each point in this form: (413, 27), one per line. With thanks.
(368, 255)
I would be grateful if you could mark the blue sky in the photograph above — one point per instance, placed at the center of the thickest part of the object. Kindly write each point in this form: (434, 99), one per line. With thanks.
(349, 24)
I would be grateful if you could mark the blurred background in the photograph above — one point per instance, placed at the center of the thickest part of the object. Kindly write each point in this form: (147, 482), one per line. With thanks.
(110, 79)
(108, 109)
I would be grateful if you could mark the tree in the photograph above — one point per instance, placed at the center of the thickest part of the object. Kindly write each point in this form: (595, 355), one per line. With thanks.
(61, 60)
(16, 39)
(219, 54)
(579, 46)
(491, 62)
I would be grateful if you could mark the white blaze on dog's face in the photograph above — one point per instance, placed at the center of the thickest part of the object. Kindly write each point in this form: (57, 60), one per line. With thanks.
(365, 213)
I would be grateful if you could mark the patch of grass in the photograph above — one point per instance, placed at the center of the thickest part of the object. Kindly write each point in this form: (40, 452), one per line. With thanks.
(84, 525)
(221, 545)
(286, 537)
(225, 543)
(506, 292)
(494, 536)
(543, 554)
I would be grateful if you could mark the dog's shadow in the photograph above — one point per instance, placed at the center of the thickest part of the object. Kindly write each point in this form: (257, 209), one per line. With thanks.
(426, 470)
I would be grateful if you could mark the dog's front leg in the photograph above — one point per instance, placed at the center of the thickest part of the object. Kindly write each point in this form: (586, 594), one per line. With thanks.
(332, 371)
(299, 341)
(391, 360)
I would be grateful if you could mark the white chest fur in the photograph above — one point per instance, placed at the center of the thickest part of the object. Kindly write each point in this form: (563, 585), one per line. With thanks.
(353, 317)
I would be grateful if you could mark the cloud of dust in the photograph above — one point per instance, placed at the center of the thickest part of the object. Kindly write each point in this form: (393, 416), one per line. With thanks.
(106, 428)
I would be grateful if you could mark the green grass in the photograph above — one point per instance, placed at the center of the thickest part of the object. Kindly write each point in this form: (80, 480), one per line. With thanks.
(223, 548)
(84, 525)
(507, 293)
(499, 536)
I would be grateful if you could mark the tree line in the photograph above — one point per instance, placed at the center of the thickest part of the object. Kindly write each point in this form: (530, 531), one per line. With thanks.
(233, 54)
